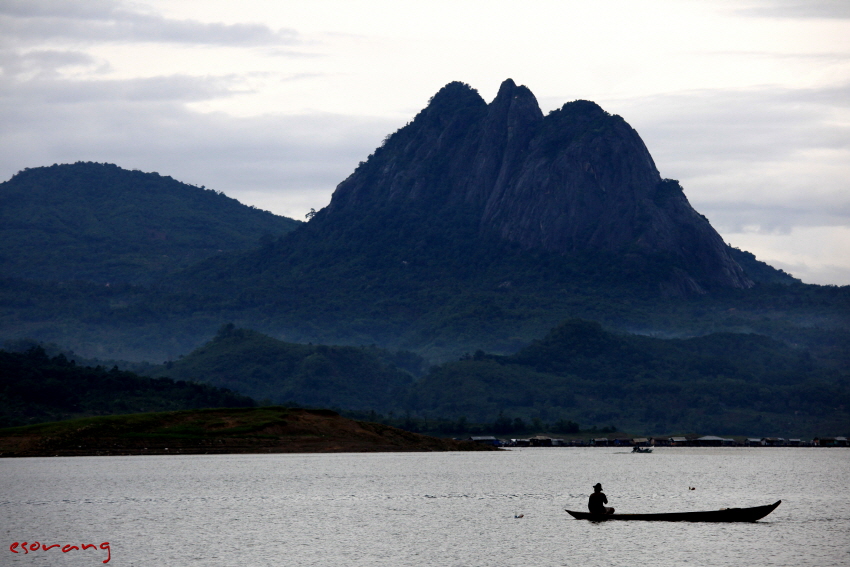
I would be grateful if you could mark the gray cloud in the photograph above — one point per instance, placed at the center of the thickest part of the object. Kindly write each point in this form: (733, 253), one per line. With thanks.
(770, 157)
(30, 78)
(763, 124)
(284, 163)
(719, 144)
(43, 64)
(821, 58)
(798, 9)
(755, 161)
(769, 167)
(34, 21)
(182, 88)
(83, 9)
(774, 218)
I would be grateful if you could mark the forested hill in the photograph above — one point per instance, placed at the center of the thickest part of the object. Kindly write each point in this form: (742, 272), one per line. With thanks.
(35, 388)
(483, 225)
(475, 226)
(279, 372)
(724, 383)
(101, 223)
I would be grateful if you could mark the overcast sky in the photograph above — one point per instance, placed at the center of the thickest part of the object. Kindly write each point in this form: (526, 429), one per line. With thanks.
(275, 102)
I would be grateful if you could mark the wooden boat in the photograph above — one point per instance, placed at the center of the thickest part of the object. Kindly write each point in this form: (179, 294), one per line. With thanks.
(724, 515)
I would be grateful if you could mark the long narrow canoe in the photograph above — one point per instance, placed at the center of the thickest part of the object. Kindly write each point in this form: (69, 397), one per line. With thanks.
(724, 515)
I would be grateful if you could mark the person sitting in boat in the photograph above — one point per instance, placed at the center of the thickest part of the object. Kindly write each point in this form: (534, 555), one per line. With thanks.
(597, 501)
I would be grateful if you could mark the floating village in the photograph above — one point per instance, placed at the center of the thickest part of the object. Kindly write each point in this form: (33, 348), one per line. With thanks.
(645, 444)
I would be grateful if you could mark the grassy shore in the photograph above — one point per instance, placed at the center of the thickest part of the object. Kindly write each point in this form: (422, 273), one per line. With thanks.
(216, 431)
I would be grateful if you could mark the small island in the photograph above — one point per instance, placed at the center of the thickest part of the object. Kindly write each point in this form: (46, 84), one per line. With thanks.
(272, 429)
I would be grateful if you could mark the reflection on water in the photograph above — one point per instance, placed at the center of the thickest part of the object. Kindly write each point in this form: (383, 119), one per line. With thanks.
(446, 509)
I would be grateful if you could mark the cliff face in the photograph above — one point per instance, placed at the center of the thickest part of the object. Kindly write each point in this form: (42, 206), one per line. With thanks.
(575, 180)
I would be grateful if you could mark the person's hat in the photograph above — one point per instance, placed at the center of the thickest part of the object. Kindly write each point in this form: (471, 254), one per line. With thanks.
(598, 485)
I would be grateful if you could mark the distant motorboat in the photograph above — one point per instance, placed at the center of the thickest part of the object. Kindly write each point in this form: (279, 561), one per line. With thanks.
(642, 450)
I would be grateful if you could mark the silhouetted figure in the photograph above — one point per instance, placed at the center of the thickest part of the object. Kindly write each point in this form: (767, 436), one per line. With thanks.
(596, 502)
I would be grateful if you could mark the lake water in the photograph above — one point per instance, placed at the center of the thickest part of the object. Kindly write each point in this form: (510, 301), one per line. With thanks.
(426, 509)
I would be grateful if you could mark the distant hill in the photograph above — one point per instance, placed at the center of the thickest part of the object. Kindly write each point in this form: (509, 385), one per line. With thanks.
(35, 388)
(484, 194)
(759, 271)
(722, 383)
(52, 350)
(217, 431)
(484, 225)
(314, 375)
(727, 383)
(477, 226)
(101, 223)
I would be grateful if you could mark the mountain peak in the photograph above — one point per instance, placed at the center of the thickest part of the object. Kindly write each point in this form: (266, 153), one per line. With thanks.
(574, 181)
(454, 90)
(515, 101)
(453, 98)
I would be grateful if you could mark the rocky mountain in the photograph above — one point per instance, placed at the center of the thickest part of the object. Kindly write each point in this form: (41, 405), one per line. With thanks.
(576, 180)
(101, 223)
(475, 226)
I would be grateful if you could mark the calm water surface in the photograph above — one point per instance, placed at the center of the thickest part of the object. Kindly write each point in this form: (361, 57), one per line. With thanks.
(442, 509)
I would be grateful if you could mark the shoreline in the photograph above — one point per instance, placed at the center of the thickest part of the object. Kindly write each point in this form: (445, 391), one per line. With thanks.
(264, 430)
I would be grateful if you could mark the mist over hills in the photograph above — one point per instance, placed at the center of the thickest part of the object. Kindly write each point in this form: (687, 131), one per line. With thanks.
(483, 226)
(476, 228)
(727, 383)
(315, 375)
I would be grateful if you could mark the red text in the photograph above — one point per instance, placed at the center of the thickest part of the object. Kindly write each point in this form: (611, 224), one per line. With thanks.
(26, 547)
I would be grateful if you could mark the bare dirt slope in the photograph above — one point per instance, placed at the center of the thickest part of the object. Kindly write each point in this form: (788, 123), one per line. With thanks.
(211, 431)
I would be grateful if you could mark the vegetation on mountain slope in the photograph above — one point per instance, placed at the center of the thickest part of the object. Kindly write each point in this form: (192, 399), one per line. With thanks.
(726, 383)
(729, 383)
(476, 228)
(312, 375)
(36, 388)
(101, 223)
(217, 431)
(409, 256)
